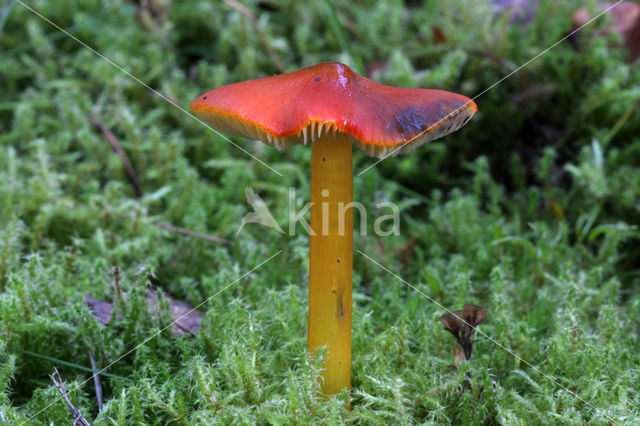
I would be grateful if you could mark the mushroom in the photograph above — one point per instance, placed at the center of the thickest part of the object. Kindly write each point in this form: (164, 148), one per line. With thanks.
(332, 108)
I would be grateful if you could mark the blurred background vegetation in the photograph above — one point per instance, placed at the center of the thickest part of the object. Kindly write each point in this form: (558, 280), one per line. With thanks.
(531, 209)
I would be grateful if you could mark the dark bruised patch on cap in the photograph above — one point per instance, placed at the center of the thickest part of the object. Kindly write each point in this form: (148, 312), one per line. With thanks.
(412, 121)
(407, 122)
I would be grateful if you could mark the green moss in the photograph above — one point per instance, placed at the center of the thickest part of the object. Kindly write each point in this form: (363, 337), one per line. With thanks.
(532, 210)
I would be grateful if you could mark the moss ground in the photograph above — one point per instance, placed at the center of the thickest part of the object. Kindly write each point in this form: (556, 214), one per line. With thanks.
(532, 210)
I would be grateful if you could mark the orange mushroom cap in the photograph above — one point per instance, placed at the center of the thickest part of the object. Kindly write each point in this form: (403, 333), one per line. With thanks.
(329, 98)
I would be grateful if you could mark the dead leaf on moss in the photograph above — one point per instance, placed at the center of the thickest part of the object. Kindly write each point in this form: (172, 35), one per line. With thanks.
(101, 310)
(437, 35)
(625, 19)
(463, 323)
(186, 319)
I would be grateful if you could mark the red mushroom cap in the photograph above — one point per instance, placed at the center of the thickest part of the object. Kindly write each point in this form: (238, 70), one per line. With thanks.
(330, 98)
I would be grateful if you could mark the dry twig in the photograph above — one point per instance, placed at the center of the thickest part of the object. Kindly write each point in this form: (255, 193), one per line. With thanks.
(96, 381)
(78, 419)
(185, 231)
(4, 14)
(113, 141)
(254, 21)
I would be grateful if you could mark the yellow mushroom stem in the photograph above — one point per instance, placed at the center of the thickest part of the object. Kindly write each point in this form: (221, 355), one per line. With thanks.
(331, 259)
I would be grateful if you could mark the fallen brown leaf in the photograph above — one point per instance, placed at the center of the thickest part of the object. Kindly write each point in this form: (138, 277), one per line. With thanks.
(187, 320)
(438, 35)
(101, 310)
(462, 324)
(626, 21)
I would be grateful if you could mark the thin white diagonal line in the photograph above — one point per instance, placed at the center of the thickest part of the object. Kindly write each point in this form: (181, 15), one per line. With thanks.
(156, 333)
(457, 110)
(489, 337)
(155, 92)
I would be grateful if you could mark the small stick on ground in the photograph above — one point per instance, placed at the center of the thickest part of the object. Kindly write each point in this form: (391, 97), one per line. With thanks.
(185, 231)
(116, 281)
(254, 21)
(4, 14)
(96, 381)
(78, 419)
(113, 141)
